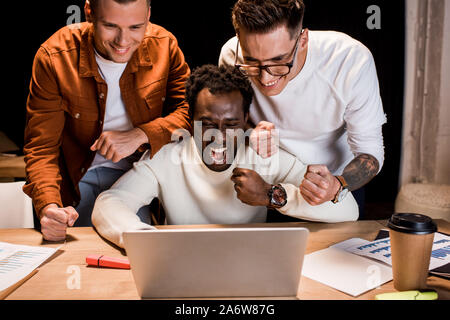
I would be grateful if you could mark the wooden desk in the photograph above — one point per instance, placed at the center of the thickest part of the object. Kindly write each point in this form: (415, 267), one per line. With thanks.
(54, 278)
(12, 167)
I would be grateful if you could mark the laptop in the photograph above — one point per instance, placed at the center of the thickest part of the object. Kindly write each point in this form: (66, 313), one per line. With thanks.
(225, 262)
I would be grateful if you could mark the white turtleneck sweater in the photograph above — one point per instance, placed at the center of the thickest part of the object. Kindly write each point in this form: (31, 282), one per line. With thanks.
(193, 194)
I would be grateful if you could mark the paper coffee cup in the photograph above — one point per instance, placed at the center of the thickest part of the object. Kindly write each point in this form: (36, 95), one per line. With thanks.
(412, 238)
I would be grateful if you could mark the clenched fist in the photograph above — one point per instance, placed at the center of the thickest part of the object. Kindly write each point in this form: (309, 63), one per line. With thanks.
(319, 185)
(55, 220)
(251, 189)
(264, 139)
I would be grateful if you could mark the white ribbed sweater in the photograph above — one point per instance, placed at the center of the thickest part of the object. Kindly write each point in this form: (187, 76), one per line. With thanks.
(193, 194)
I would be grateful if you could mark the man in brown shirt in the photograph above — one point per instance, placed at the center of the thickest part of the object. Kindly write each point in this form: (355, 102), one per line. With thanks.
(101, 92)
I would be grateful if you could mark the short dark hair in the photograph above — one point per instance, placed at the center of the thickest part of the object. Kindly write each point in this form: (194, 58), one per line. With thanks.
(94, 3)
(217, 80)
(262, 16)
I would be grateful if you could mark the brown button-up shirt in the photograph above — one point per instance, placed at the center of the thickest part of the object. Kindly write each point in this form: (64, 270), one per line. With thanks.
(66, 106)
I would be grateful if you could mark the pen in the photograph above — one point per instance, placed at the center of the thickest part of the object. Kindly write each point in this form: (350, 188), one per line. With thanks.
(97, 260)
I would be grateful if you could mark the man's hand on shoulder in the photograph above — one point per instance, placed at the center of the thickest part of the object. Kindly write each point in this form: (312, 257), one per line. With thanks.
(55, 220)
(251, 189)
(319, 185)
(116, 145)
(264, 139)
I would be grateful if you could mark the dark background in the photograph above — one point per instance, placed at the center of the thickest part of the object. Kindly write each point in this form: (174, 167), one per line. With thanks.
(202, 27)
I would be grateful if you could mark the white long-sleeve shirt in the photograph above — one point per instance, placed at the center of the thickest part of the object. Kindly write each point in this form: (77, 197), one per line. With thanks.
(193, 194)
(332, 110)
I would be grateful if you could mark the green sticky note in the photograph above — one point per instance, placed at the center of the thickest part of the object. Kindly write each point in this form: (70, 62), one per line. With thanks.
(408, 295)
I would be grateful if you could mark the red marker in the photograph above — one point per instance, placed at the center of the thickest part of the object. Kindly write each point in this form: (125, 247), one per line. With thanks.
(98, 260)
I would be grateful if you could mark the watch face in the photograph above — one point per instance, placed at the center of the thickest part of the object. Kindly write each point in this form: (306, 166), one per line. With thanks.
(278, 196)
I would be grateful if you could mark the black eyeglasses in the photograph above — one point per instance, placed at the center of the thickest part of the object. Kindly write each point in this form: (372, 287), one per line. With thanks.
(277, 70)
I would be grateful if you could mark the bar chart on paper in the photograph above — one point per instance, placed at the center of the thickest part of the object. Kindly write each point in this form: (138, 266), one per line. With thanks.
(441, 253)
(381, 250)
(17, 261)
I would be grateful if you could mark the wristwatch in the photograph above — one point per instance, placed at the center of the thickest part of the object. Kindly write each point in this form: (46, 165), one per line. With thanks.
(277, 196)
(343, 190)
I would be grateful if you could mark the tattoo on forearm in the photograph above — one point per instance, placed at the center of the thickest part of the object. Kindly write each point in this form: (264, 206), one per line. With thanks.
(360, 171)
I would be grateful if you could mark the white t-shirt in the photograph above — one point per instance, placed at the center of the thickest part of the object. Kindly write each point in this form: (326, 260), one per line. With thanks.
(332, 110)
(116, 116)
(191, 193)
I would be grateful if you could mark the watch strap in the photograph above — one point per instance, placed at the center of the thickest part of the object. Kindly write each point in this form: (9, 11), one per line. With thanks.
(342, 182)
(343, 186)
(336, 197)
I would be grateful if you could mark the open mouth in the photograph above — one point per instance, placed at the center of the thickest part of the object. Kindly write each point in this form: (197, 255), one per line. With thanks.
(219, 156)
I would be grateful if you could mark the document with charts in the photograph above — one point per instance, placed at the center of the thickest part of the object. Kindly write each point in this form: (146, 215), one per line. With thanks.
(18, 261)
(345, 267)
(381, 250)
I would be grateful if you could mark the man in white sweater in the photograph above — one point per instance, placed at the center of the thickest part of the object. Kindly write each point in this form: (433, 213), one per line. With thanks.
(319, 89)
(212, 177)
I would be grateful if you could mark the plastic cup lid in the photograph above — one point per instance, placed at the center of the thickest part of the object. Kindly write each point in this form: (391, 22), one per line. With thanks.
(412, 223)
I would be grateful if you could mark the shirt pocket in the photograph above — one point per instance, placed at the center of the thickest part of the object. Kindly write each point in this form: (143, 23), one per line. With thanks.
(155, 103)
(81, 114)
(81, 108)
(82, 124)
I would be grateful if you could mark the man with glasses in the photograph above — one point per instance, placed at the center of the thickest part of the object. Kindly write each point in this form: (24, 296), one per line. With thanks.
(318, 89)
